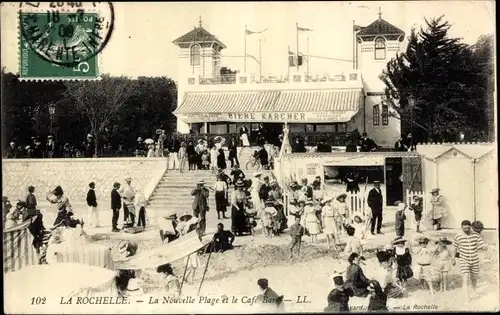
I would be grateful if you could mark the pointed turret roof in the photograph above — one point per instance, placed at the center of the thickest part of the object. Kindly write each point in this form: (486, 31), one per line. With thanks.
(198, 35)
(381, 27)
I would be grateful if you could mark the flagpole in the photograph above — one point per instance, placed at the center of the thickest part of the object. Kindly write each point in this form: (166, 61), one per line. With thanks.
(260, 60)
(353, 45)
(288, 63)
(297, 30)
(308, 58)
(245, 67)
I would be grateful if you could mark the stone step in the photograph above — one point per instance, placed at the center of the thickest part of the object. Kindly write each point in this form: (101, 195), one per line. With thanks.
(175, 201)
(173, 197)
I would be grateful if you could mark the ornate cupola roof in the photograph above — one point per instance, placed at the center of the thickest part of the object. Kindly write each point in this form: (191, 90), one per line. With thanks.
(200, 36)
(380, 28)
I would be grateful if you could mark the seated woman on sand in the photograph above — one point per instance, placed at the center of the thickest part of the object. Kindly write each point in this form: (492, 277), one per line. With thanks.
(355, 278)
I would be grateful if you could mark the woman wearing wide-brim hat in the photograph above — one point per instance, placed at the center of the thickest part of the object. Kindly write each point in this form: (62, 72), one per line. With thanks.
(385, 273)
(328, 220)
(438, 210)
(311, 221)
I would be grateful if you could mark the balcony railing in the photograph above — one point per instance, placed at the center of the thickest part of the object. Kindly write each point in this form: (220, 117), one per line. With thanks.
(310, 138)
(252, 79)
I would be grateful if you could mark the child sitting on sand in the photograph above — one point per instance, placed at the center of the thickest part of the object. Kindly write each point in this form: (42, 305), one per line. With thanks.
(353, 244)
(360, 228)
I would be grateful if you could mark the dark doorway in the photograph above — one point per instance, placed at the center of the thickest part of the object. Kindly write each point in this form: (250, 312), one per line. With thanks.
(272, 132)
(394, 184)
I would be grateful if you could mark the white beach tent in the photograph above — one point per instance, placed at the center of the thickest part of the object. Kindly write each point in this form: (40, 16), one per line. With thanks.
(53, 282)
(466, 174)
(168, 253)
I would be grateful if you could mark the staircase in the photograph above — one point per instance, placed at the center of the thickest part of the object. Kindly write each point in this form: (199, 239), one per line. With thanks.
(173, 191)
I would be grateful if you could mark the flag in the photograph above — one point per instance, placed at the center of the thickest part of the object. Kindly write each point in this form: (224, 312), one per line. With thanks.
(303, 29)
(357, 28)
(249, 32)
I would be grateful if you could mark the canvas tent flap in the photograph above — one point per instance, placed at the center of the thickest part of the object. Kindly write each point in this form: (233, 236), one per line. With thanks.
(364, 160)
(59, 280)
(166, 253)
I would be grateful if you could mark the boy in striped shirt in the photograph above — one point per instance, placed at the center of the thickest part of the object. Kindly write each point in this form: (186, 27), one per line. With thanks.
(466, 246)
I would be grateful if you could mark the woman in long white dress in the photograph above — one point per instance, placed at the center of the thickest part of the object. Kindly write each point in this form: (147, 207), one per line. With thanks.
(311, 221)
(256, 184)
(244, 141)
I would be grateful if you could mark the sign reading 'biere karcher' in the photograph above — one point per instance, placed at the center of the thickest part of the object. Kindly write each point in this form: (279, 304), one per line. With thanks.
(292, 117)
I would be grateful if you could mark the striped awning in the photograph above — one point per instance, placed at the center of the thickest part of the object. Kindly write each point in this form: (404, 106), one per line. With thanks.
(219, 102)
(299, 106)
(315, 101)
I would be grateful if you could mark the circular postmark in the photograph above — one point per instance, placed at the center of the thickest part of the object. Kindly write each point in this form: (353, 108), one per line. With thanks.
(66, 33)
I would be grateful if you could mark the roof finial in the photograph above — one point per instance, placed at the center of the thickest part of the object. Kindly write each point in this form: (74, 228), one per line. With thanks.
(380, 13)
(200, 22)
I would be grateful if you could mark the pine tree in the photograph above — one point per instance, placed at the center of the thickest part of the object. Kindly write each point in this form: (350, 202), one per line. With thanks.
(439, 72)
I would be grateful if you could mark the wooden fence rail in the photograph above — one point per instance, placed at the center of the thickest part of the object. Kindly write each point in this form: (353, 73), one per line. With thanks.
(18, 251)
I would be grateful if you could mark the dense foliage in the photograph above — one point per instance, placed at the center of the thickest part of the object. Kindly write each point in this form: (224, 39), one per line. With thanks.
(116, 110)
(452, 85)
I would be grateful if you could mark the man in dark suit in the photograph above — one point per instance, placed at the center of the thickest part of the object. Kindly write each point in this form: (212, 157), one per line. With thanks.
(92, 206)
(173, 147)
(116, 204)
(269, 298)
(367, 144)
(375, 202)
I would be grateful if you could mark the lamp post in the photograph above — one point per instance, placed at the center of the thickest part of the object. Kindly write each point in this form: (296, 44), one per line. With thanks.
(52, 112)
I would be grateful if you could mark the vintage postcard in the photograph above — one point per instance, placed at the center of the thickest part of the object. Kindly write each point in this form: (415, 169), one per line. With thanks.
(249, 157)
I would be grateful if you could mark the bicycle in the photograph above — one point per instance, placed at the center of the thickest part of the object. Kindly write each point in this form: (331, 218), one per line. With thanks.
(253, 162)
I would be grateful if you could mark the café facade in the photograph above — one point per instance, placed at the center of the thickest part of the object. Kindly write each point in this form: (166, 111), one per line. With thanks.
(331, 107)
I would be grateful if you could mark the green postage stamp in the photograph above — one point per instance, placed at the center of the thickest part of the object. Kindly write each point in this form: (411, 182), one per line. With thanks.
(61, 45)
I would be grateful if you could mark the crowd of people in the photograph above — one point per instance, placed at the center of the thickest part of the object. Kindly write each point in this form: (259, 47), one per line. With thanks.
(198, 154)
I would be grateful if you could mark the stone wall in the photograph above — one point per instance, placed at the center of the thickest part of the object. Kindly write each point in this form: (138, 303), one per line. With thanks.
(74, 175)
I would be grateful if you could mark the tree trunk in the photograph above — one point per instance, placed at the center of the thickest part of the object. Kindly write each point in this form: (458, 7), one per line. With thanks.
(96, 148)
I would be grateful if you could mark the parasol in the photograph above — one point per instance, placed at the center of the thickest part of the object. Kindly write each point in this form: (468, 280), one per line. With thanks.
(57, 280)
(149, 141)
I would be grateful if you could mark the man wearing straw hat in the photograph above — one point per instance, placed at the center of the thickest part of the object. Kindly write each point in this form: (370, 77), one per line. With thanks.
(128, 195)
(200, 205)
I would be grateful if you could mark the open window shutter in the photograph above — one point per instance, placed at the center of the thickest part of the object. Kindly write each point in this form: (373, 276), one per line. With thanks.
(412, 174)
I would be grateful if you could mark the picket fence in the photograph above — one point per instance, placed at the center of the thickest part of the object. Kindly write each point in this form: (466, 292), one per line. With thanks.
(18, 251)
(355, 202)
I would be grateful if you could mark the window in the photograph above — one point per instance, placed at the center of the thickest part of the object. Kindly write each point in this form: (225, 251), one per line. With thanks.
(341, 127)
(385, 115)
(309, 128)
(218, 128)
(195, 55)
(376, 115)
(380, 48)
(297, 128)
(325, 128)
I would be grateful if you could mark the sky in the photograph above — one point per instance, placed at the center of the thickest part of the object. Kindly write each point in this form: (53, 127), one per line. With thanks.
(141, 44)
